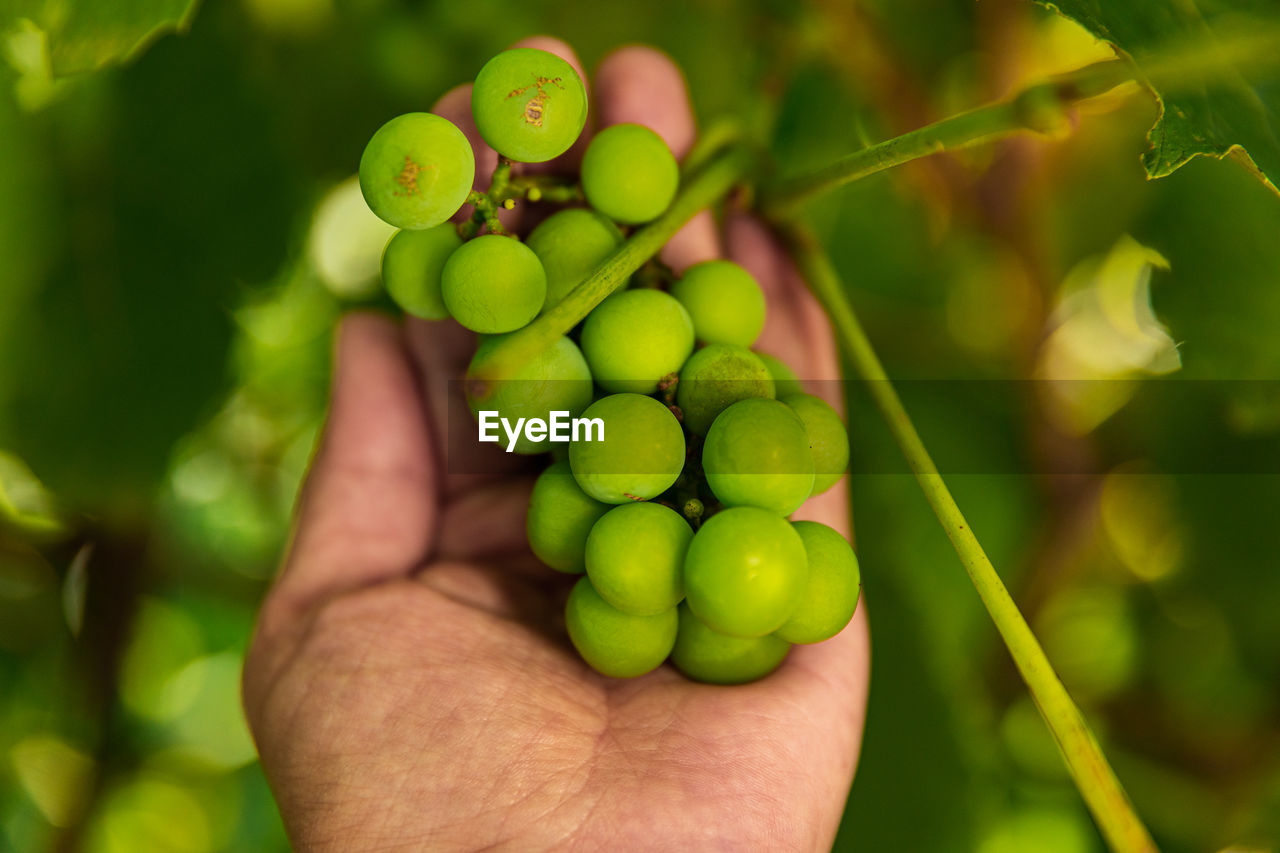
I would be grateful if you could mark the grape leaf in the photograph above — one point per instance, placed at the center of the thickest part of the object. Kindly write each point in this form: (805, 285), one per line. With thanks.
(1220, 115)
(84, 36)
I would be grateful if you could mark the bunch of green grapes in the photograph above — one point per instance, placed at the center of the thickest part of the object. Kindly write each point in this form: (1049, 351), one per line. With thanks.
(673, 499)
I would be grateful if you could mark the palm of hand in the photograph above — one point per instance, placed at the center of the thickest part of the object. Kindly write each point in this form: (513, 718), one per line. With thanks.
(414, 718)
(410, 683)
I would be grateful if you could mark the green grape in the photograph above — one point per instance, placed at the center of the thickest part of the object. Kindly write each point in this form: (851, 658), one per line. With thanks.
(555, 380)
(617, 644)
(641, 455)
(726, 304)
(785, 382)
(757, 454)
(560, 518)
(493, 284)
(411, 268)
(570, 245)
(828, 439)
(634, 338)
(529, 105)
(635, 557)
(831, 593)
(629, 173)
(745, 572)
(416, 171)
(706, 655)
(714, 378)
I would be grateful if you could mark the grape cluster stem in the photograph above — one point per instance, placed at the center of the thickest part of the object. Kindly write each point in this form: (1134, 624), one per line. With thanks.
(506, 190)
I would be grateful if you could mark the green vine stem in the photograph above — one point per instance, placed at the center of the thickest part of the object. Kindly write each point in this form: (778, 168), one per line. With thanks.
(1093, 775)
(701, 189)
(486, 214)
(537, 188)
(505, 189)
(1040, 108)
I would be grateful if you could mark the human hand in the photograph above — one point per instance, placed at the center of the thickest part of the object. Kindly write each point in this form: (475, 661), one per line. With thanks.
(410, 683)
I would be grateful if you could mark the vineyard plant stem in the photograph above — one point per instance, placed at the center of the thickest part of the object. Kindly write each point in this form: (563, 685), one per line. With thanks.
(1093, 775)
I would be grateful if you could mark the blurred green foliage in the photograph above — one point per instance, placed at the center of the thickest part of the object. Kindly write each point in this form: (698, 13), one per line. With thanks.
(178, 236)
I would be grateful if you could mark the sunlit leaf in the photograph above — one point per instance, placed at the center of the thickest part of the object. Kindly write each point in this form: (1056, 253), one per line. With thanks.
(1226, 107)
(85, 36)
(1104, 335)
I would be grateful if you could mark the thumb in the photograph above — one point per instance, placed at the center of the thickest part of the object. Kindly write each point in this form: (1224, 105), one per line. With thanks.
(368, 510)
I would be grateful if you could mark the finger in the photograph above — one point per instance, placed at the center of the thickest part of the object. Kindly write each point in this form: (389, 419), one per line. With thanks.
(369, 507)
(566, 163)
(561, 49)
(697, 241)
(641, 85)
(796, 329)
(487, 522)
(441, 352)
(455, 105)
(831, 681)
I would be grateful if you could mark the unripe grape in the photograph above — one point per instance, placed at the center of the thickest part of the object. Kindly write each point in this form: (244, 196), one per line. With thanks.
(412, 264)
(493, 284)
(745, 571)
(757, 454)
(529, 105)
(634, 338)
(416, 171)
(555, 380)
(629, 174)
(785, 382)
(635, 557)
(714, 378)
(641, 455)
(831, 591)
(828, 439)
(614, 643)
(560, 519)
(714, 658)
(570, 245)
(724, 301)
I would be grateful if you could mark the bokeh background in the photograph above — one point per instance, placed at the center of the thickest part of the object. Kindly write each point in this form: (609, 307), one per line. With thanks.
(179, 233)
